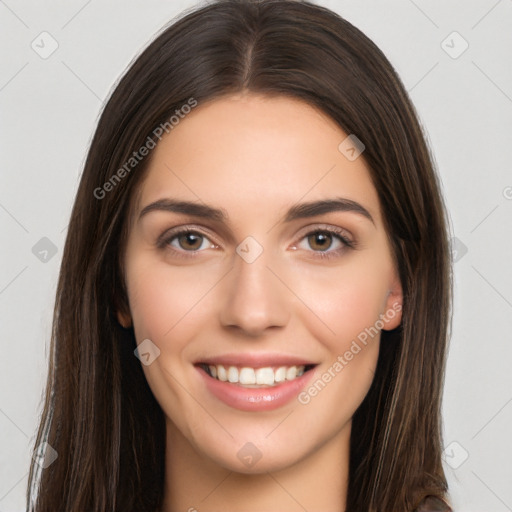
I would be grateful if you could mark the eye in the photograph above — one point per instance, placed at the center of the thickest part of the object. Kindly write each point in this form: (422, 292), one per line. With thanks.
(186, 240)
(321, 241)
(326, 242)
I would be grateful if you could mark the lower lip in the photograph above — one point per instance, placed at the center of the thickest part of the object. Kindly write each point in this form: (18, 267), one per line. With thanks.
(255, 399)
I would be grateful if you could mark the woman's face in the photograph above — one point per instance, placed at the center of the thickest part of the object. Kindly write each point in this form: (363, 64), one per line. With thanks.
(258, 255)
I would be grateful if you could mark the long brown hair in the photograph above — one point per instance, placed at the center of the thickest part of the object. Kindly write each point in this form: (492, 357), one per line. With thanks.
(99, 413)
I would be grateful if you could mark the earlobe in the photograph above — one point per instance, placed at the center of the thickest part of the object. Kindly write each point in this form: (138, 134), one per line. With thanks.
(392, 316)
(122, 310)
(124, 319)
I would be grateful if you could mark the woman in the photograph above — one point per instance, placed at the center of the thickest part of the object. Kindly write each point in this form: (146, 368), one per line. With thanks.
(260, 224)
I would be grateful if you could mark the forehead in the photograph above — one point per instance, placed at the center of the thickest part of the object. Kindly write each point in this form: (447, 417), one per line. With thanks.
(256, 153)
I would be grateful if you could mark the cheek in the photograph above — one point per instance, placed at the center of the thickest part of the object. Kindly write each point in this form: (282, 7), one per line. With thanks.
(165, 307)
(343, 301)
(346, 302)
(164, 301)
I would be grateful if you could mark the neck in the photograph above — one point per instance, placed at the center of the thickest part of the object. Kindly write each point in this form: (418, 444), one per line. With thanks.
(196, 483)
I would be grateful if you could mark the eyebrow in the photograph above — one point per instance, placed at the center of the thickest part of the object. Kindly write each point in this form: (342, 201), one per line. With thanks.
(298, 211)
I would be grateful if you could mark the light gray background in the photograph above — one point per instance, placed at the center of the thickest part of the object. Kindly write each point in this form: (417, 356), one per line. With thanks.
(49, 108)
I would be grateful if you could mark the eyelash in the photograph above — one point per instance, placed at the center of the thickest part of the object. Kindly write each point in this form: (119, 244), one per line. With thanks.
(164, 241)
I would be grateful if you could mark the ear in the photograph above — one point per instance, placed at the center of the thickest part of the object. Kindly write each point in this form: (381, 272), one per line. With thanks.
(392, 314)
(124, 319)
(123, 311)
(121, 304)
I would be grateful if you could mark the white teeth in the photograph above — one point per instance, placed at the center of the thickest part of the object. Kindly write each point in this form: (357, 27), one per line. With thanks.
(247, 376)
(265, 376)
(252, 377)
(233, 374)
(291, 373)
(221, 373)
(280, 375)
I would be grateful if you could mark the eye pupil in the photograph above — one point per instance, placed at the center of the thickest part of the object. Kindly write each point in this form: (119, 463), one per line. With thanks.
(320, 241)
(190, 241)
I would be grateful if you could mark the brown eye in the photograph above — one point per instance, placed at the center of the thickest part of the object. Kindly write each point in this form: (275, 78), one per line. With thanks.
(190, 241)
(187, 241)
(320, 241)
(326, 243)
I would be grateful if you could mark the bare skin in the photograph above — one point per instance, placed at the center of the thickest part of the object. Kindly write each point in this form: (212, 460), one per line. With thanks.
(196, 298)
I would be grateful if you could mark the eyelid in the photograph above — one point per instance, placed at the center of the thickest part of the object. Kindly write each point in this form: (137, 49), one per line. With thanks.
(328, 228)
(342, 234)
(164, 238)
(347, 243)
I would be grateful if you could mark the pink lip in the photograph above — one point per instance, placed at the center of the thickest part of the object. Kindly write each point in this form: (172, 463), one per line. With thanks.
(255, 399)
(256, 360)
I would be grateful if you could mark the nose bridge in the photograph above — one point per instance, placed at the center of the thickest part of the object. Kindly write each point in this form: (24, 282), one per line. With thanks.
(255, 298)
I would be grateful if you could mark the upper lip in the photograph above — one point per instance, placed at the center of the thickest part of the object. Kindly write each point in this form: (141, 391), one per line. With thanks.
(256, 360)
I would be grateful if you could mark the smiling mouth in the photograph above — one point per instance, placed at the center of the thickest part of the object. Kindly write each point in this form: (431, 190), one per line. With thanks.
(249, 377)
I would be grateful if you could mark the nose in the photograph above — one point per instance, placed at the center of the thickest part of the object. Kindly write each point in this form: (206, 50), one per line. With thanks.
(255, 300)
